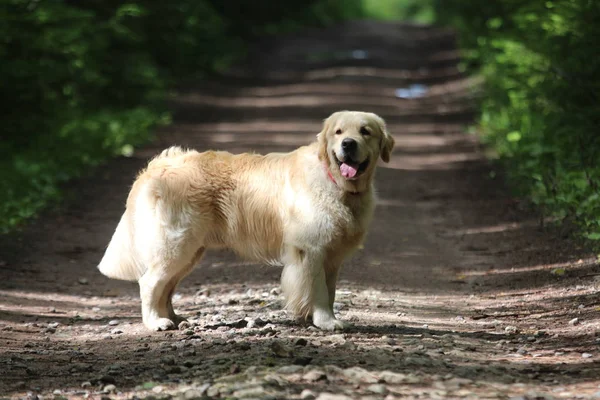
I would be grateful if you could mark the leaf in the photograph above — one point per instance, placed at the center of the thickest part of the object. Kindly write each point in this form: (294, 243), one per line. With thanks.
(558, 271)
(127, 150)
(592, 236)
(513, 136)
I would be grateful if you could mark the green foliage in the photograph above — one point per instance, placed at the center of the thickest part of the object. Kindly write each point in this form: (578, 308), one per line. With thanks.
(86, 80)
(541, 111)
(420, 11)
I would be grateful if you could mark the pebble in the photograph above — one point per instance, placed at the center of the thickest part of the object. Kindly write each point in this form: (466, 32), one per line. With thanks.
(255, 322)
(314, 376)
(510, 329)
(331, 396)
(392, 377)
(358, 374)
(158, 389)
(183, 325)
(251, 392)
(191, 394)
(168, 360)
(110, 388)
(244, 346)
(587, 355)
(307, 395)
(96, 309)
(83, 281)
(302, 360)
(281, 350)
(337, 339)
(53, 325)
(574, 321)
(212, 391)
(116, 331)
(113, 322)
(378, 389)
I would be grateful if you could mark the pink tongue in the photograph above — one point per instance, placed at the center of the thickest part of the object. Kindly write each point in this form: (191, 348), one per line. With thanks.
(347, 171)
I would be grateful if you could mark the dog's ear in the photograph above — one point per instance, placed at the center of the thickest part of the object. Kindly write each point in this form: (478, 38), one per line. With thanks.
(322, 136)
(387, 141)
(327, 123)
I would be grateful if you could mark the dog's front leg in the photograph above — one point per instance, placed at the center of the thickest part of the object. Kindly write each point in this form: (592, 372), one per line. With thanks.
(304, 284)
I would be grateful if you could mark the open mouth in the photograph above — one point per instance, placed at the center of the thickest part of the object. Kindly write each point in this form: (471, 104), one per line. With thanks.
(351, 169)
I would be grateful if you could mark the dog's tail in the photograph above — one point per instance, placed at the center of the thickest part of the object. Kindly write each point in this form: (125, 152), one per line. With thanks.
(158, 206)
(118, 261)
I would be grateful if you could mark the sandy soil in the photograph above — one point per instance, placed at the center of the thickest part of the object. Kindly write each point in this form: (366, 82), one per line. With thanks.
(459, 291)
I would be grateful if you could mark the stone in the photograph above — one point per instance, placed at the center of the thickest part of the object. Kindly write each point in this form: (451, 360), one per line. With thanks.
(250, 392)
(315, 376)
(331, 396)
(281, 350)
(357, 374)
(378, 389)
(110, 388)
(511, 329)
(393, 378)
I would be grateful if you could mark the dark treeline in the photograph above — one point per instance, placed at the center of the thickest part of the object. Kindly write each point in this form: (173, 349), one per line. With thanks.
(84, 80)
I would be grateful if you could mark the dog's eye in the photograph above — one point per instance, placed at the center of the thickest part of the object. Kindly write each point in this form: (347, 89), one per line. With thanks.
(364, 131)
(338, 132)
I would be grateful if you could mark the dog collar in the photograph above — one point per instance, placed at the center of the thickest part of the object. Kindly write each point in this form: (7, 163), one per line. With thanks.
(332, 179)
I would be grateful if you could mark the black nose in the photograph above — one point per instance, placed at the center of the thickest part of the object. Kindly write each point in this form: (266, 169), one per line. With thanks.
(349, 145)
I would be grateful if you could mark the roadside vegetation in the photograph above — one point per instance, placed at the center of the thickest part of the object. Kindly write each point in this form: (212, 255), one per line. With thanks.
(541, 105)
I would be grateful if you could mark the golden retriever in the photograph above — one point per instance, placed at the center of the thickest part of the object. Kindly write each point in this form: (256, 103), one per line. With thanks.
(306, 210)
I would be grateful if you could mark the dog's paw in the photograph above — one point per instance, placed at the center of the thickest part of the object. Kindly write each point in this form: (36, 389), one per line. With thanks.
(161, 324)
(330, 324)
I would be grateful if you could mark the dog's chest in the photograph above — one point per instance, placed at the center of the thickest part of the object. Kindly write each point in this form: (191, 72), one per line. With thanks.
(335, 223)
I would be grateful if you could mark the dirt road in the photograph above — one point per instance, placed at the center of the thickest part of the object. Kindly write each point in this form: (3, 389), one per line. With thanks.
(458, 292)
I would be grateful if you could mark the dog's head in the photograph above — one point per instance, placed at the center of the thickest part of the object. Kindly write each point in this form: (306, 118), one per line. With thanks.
(350, 144)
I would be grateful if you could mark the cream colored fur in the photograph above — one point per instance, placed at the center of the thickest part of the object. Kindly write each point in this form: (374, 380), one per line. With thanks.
(275, 208)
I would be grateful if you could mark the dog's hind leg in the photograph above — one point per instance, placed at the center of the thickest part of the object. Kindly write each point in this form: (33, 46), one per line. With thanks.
(158, 284)
(152, 287)
(172, 285)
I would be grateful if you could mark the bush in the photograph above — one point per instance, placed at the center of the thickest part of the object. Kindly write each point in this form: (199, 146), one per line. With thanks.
(541, 110)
